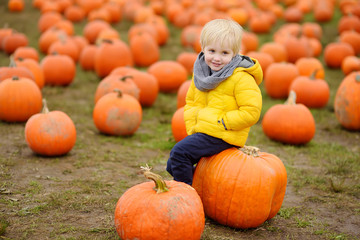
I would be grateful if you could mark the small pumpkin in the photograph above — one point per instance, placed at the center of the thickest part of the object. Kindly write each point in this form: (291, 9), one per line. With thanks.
(350, 64)
(336, 52)
(187, 59)
(59, 70)
(111, 54)
(144, 49)
(20, 98)
(50, 133)
(169, 74)
(181, 93)
(311, 91)
(26, 52)
(241, 187)
(278, 78)
(289, 123)
(159, 210)
(117, 113)
(347, 102)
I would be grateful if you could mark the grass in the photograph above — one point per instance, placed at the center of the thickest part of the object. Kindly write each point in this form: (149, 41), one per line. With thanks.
(73, 196)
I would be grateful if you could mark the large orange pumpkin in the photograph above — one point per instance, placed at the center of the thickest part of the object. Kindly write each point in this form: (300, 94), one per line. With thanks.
(50, 133)
(117, 114)
(289, 123)
(166, 210)
(241, 188)
(20, 98)
(347, 102)
(59, 70)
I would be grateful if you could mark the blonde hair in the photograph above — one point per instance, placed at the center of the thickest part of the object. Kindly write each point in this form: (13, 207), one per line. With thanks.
(224, 31)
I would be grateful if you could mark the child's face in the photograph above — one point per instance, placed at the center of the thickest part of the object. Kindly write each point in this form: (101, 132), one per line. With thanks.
(216, 56)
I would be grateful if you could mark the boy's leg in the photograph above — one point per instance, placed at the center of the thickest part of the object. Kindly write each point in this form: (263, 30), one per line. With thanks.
(189, 151)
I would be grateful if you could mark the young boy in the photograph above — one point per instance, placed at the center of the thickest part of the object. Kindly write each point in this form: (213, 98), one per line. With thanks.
(223, 100)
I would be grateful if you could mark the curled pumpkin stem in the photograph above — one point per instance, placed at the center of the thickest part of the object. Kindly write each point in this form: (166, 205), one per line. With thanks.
(45, 108)
(250, 150)
(160, 185)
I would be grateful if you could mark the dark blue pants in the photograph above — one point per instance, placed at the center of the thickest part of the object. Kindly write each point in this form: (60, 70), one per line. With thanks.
(186, 153)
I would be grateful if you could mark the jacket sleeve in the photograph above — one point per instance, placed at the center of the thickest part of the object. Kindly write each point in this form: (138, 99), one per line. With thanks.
(190, 110)
(249, 100)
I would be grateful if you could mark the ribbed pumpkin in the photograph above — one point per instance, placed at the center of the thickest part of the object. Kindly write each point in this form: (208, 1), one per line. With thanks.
(336, 52)
(35, 69)
(111, 54)
(347, 102)
(20, 98)
(13, 41)
(241, 187)
(26, 52)
(14, 70)
(278, 78)
(311, 91)
(59, 70)
(289, 123)
(159, 210)
(50, 133)
(111, 82)
(117, 114)
(144, 49)
(178, 125)
(169, 74)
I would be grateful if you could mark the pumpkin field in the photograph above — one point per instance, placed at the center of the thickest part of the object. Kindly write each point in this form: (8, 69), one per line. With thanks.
(65, 54)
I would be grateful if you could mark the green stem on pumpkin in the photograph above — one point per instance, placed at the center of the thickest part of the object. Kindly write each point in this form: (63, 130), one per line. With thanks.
(45, 109)
(160, 185)
(313, 74)
(291, 99)
(12, 62)
(357, 78)
(250, 150)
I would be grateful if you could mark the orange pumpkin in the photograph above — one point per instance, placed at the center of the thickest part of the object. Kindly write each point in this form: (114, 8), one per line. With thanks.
(65, 46)
(47, 20)
(35, 69)
(14, 70)
(187, 59)
(353, 38)
(16, 5)
(26, 52)
(87, 57)
(178, 128)
(20, 98)
(13, 41)
(144, 49)
(308, 65)
(350, 64)
(117, 114)
(311, 91)
(169, 74)
(92, 29)
(241, 188)
(276, 50)
(278, 78)
(111, 82)
(289, 123)
(111, 54)
(59, 70)
(265, 59)
(74, 13)
(347, 102)
(171, 210)
(146, 82)
(336, 52)
(50, 133)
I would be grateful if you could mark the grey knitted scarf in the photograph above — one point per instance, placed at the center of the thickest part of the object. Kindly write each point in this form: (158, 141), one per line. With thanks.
(205, 79)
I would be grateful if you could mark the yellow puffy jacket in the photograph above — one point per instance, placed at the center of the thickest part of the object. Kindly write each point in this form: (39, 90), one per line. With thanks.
(228, 111)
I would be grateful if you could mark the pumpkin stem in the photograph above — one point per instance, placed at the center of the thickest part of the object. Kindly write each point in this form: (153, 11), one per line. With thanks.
(357, 78)
(292, 98)
(12, 62)
(15, 77)
(119, 92)
(45, 109)
(125, 77)
(250, 150)
(160, 185)
(313, 74)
